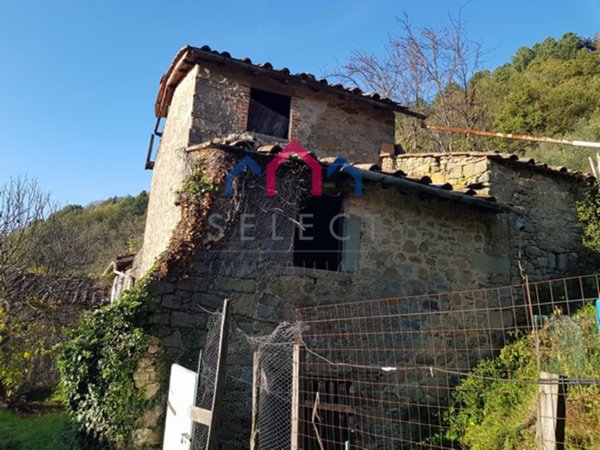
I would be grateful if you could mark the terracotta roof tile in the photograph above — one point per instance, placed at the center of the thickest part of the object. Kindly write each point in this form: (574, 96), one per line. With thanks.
(189, 56)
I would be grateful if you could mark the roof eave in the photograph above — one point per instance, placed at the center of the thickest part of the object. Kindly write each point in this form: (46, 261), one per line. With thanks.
(188, 57)
(405, 185)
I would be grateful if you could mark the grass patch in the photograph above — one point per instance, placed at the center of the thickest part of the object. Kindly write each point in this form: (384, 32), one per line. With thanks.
(33, 433)
(45, 431)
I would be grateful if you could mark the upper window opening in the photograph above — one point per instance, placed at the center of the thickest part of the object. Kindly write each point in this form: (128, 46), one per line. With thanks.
(319, 245)
(269, 113)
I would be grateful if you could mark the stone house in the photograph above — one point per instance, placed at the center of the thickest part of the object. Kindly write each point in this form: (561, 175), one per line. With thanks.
(422, 223)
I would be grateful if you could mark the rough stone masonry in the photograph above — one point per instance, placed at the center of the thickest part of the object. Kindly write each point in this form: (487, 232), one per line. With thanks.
(404, 239)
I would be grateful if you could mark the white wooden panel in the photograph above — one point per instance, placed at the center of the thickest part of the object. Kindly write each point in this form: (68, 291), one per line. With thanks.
(182, 395)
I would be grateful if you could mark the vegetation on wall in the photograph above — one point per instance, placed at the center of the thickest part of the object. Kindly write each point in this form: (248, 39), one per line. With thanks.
(196, 197)
(588, 211)
(495, 407)
(98, 363)
(97, 366)
(196, 183)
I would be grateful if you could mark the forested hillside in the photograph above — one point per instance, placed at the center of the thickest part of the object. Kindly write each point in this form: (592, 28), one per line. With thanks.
(551, 89)
(82, 241)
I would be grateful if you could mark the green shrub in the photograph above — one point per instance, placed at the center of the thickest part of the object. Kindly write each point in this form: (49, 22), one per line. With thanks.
(196, 183)
(490, 414)
(98, 363)
(27, 339)
(495, 407)
(588, 211)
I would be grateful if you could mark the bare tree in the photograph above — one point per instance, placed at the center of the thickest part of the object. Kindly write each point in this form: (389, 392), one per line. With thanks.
(23, 208)
(37, 300)
(429, 70)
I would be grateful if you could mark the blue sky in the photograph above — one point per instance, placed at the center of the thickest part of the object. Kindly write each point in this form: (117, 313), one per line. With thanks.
(79, 78)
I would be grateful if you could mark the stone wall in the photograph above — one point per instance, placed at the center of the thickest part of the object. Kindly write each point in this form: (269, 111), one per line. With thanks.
(406, 245)
(336, 127)
(212, 102)
(458, 170)
(323, 123)
(220, 106)
(551, 236)
(169, 169)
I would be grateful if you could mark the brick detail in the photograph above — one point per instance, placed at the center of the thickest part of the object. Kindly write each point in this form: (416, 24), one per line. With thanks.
(294, 118)
(242, 104)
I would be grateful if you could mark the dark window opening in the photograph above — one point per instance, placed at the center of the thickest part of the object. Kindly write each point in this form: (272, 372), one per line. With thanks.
(269, 113)
(319, 245)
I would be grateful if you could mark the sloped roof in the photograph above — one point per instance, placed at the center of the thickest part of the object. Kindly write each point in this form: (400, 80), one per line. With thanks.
(509, 159)
(65, 290)
(369, 172)
(189, 56)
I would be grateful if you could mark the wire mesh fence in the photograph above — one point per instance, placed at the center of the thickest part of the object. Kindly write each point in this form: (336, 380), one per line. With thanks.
(273, 384)
(207, 370)
(257, 396)
(509, 367)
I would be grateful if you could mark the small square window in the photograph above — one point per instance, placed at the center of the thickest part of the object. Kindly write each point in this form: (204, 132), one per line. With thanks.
(269, 113)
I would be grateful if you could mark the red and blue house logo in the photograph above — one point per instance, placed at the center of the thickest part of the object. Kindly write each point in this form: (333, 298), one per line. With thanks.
(315, 166)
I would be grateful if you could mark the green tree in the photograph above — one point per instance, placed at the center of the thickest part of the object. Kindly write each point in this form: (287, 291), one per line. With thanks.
(588, 211)
(82, 241)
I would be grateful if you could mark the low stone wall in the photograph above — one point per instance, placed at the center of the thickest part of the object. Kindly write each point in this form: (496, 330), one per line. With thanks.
(460, 171)
(551, 237)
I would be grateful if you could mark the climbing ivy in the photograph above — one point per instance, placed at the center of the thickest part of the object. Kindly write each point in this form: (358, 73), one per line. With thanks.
(97, 365)
(196, 183)
(588, 211)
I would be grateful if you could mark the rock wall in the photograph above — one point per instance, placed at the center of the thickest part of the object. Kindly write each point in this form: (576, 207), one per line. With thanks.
(335, 127)
(212, 102)
(169, 169)
(458, 170)
(220, 106)
(404, 245)
(551, 238)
